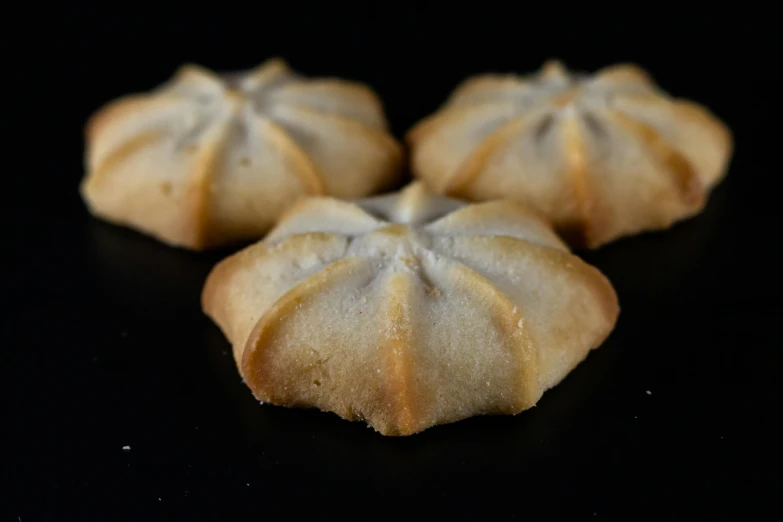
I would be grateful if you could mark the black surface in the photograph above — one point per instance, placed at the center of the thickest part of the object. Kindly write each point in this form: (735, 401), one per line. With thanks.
(104, 344)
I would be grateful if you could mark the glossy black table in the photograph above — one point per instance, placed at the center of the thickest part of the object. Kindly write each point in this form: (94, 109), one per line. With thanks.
(122, 386)
(122, 402)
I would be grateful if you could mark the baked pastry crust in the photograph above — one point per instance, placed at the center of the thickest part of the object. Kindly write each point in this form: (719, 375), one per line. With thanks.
(408, 310)
(602, 156)
(208, 159)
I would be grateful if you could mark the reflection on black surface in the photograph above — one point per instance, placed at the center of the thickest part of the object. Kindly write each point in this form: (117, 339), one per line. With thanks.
(188, 361)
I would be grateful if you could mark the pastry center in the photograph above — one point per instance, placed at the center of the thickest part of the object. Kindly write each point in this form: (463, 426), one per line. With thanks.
(395, 241)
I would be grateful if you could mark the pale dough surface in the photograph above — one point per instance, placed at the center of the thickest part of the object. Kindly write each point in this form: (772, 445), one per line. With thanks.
(602, 156)
(408, 310)
(207, 159)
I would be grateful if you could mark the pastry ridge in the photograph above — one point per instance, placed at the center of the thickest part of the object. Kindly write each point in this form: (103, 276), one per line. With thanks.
(408, 310)
(207, 159)
(603, 156)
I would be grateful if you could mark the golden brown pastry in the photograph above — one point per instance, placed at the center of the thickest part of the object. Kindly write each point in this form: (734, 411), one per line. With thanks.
(210, 159)
(409, 309)
(602, 156)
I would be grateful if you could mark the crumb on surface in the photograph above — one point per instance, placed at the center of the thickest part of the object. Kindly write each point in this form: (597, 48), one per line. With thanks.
(648, 392)
(126, 448)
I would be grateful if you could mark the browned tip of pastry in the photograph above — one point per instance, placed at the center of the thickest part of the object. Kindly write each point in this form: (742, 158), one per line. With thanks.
(215, 301)
(579, 229)
(93, 122)
(413, 135)
(508, 318)
(606, 296)
(99, 117)
(608, 299)
(211, 300)
(276, 62)
(726, 136)
(685, 178)
(458, 185)
(195, 71)
(114, 110)
(309, 175)
(273, 66)
(718, 128)
(625, 72)
(397, 153)
(119, 155)
(400, 158)
(258, 373)
(552, 68)
(401, 387)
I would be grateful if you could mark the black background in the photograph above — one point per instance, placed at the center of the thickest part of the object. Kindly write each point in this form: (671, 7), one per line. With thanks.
(104, 344)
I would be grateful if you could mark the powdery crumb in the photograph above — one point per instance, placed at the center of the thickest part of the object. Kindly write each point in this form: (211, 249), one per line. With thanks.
(126, 448)
(648, 392)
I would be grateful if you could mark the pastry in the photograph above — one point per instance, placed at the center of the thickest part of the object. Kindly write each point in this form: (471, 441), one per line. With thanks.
(209, 159)
(602, 156)
(409, 309)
